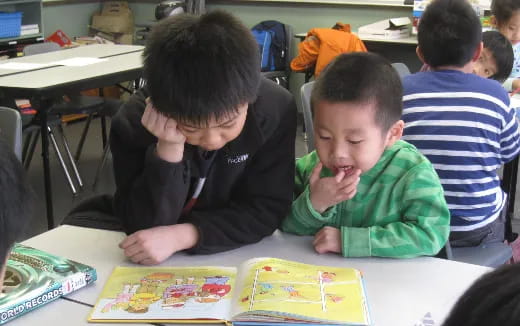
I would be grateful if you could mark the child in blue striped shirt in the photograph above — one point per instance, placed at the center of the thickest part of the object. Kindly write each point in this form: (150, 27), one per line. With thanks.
(461, 122)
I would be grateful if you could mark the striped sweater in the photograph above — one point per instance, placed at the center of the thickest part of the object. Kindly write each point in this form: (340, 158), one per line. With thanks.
(464, 125)
(398, 211)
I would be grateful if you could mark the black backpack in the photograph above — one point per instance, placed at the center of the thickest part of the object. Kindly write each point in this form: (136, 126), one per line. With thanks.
(273, 44)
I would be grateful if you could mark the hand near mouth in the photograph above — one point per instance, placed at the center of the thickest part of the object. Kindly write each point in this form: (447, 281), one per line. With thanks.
(329, 191)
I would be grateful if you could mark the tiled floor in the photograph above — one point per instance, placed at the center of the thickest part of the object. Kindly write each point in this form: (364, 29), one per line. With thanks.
(63, 199)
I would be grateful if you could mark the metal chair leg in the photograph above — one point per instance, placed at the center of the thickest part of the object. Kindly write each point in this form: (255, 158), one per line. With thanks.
(61, 161)
(83, 137)
(26, 143)
(69, 155)
(101, 165)
(30, 152)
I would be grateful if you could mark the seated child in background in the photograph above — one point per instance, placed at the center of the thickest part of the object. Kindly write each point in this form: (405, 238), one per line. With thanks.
(363, 192)
(493, 300)
(321, 45)
(15, 203)
(461, 122)
(496, 59)
(506, 16)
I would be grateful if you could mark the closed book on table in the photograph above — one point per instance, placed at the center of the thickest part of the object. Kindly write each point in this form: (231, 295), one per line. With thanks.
(34, 278)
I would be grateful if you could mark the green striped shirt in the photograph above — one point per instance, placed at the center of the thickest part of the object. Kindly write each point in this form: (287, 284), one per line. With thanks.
(399, 209)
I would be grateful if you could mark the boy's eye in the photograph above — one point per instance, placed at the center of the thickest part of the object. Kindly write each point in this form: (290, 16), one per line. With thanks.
(188, 130)
(355, 142)
(228, 125)
(324, 137)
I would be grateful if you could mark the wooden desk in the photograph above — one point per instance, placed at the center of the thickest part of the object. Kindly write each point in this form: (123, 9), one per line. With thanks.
(43, 86)
(400, 292)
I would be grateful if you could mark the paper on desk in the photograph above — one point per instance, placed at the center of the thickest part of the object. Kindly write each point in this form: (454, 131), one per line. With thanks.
(22, 65)
(78, 61)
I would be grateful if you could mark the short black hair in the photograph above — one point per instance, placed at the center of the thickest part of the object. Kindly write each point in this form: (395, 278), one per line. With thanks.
(503, 10)
(199, 67)
(502, 52)
(449, 33)
(362, 77)
(493, 300)
(16, 199)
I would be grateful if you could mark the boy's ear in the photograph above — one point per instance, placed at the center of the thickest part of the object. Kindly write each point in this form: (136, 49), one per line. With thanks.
(394, 133)
(477, 52)
(419, 54)
(493, 21)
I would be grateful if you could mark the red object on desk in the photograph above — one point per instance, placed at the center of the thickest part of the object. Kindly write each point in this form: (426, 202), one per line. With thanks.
(59, 37)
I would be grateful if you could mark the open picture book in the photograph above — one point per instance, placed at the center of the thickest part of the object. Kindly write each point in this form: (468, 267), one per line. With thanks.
(260, 291)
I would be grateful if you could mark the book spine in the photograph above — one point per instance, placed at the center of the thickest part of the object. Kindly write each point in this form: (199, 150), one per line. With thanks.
(57, 290)
(21, 308)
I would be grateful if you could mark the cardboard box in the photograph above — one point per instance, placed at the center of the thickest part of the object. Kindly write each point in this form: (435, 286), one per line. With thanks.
(113, 24)
(115, 8)
(115, 17)
(124, 39)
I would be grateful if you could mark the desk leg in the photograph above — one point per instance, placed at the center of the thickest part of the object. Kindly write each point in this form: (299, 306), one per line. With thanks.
(509, 185)
(42, 108)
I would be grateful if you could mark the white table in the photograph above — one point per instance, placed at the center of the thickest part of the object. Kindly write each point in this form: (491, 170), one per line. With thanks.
(57, 313)
(400, 292)
(87, 51)
(43, 86)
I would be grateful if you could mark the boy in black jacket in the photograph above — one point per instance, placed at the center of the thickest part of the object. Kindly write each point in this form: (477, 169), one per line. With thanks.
(204, 157)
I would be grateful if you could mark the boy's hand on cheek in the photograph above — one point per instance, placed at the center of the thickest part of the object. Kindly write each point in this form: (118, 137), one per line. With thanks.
(327, 192)
(327, 239)
(153, 246)
(170, 141)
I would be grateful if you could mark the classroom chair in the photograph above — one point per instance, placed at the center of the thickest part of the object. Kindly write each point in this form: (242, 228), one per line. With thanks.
(71, 104)
(401, 69)
(11, 129)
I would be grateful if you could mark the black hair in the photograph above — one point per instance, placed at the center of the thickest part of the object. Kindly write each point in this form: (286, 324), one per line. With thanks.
(199, 67)
(503, 10)
(493, 300)
(363, 78)
(449, 33)
(502, 51)
(16, 199)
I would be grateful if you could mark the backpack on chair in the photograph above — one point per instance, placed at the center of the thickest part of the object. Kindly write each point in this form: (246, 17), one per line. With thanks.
(273, 45)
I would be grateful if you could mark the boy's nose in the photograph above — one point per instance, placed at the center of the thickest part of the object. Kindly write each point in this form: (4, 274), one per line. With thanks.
(340, 151)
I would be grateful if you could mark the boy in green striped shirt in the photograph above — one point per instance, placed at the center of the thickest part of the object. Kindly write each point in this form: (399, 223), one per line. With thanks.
(364, 192)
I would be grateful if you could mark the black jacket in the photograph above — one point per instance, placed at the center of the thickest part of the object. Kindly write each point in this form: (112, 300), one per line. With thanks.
(248, 190)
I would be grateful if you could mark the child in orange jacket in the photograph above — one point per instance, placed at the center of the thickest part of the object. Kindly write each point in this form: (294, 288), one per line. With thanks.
(323, 44)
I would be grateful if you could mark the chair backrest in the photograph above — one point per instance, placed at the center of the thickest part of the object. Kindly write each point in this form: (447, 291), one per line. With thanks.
(306, 91)
(490, 255)
(401, 69)
(38, 48)
(11, 129)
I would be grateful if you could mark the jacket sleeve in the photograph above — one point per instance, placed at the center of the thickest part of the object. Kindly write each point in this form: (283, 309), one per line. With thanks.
(424, 225)
(303, 219)
(307, 54)
(149, 191)
(261, 199)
